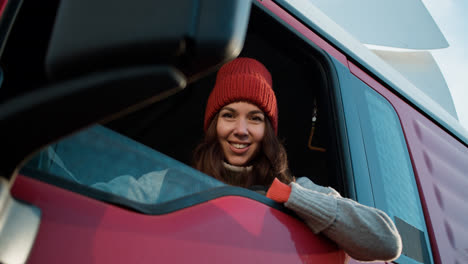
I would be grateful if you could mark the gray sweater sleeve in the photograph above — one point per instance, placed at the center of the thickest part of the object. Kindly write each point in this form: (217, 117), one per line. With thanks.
(365, 233)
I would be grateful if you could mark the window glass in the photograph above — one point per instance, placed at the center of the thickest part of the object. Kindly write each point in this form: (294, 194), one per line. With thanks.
(394, 168)
(391, 174)
(105, 160)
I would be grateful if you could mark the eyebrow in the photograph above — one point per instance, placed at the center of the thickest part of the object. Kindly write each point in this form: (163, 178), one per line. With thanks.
(256, 112)
(233, 110)
(228, 108)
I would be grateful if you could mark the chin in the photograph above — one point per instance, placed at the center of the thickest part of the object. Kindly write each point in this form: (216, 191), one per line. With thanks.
(238, 162)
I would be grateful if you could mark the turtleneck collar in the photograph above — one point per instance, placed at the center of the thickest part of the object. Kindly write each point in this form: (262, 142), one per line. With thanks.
(237, 169)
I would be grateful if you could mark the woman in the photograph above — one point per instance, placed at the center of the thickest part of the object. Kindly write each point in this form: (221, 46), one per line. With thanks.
(241, 148)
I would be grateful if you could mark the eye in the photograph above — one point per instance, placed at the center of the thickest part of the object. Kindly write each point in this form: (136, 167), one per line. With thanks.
(227, 115)
(257, 118)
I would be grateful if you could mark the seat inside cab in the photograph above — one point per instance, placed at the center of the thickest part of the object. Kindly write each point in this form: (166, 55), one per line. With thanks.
(302, 82)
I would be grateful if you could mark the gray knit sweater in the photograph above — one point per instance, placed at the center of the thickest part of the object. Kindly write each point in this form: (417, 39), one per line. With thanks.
(364, 233)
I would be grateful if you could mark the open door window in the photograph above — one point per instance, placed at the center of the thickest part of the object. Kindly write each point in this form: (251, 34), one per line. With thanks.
(142, 160)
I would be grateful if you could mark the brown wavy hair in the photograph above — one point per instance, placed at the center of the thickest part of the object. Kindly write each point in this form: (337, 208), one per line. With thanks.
(270, 162)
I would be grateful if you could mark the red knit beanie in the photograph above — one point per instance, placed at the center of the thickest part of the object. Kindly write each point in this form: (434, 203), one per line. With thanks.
(243, 79)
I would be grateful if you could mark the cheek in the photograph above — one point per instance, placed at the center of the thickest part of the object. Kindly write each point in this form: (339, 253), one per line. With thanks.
(220, 129)
(258, 134)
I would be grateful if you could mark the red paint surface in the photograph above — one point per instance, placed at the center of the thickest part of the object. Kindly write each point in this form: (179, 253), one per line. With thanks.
(77, 229)
(2, 6)
(304, 30)
(440, 165)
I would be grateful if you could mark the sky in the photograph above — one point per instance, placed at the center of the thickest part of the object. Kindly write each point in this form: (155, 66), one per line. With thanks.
(450, 16)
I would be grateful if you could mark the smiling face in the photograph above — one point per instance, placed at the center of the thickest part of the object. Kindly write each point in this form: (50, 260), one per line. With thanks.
(240, 130)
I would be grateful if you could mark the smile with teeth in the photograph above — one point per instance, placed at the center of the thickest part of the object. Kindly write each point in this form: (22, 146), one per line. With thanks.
(239, 145)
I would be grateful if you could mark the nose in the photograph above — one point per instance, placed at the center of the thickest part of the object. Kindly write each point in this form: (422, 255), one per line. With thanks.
(241, 128)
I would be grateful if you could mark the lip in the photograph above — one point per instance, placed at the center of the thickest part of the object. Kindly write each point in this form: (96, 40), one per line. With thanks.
(236, 150)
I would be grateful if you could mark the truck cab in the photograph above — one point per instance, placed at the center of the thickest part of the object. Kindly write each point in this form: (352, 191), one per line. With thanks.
(93, 95)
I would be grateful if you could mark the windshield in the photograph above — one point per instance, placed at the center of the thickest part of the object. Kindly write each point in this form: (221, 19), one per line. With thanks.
(422, 39)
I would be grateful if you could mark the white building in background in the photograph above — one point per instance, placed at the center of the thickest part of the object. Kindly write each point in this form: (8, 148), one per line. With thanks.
(403, 34)
(401, 43)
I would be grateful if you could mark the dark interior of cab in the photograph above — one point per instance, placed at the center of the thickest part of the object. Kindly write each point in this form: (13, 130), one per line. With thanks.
(302, 81)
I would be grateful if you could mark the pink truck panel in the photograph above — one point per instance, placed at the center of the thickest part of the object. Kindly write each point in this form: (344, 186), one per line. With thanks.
(77, 229)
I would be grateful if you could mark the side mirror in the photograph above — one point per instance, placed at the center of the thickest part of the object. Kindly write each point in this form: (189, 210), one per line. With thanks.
(192, 35)
(111, 57)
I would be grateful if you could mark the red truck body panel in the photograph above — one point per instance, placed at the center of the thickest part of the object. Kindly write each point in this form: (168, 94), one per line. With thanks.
(223, 230)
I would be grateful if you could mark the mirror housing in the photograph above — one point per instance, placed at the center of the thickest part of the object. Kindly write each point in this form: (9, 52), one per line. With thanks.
(111, 57)
(192, 35)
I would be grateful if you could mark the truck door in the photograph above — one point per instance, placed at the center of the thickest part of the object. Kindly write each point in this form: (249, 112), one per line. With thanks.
(104, 60)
